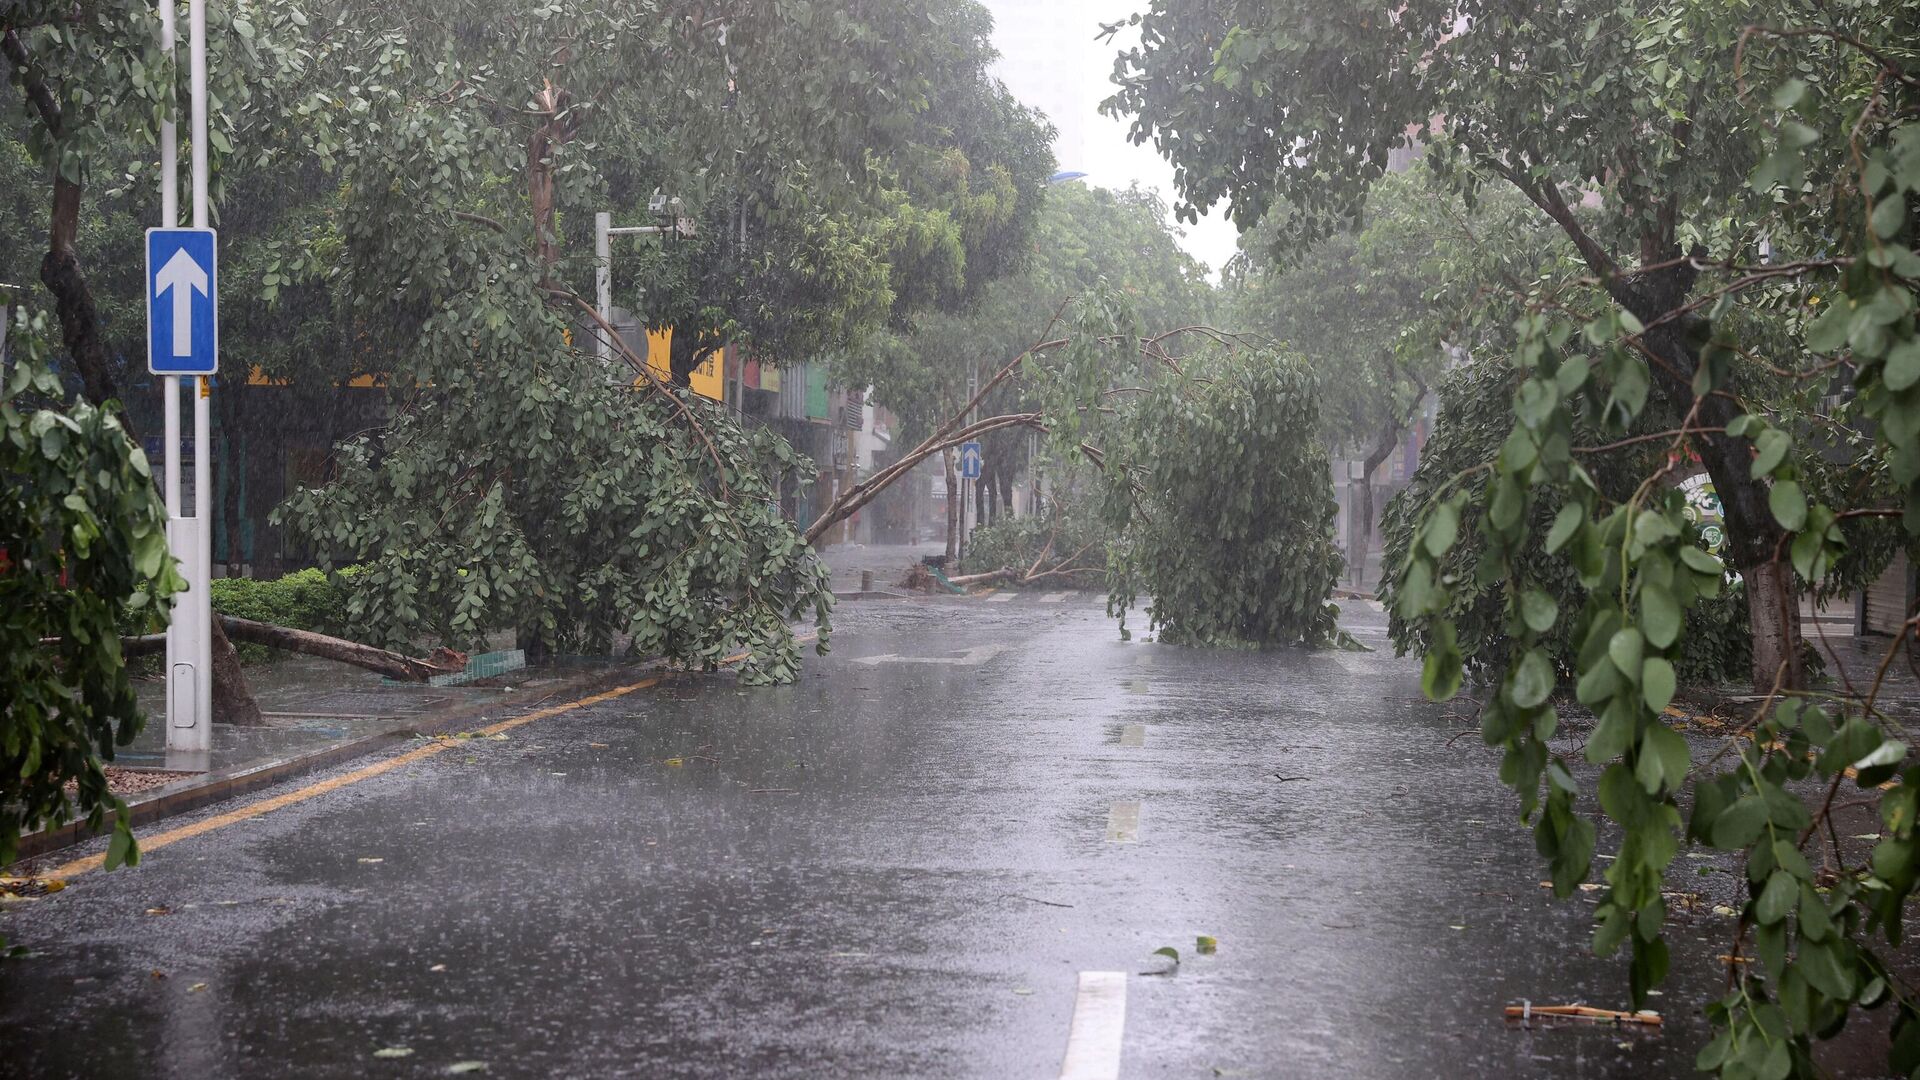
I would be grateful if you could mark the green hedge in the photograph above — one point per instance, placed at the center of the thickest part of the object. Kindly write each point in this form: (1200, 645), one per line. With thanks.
(303, 600)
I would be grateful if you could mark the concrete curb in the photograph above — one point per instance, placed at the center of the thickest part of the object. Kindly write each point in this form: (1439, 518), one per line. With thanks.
(189, 795)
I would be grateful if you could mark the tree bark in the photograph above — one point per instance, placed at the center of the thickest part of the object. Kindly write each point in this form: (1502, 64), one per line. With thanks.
(953, 508)
(232, 701)
(1376, 457)
(392, 664)
(1753, 536)
(61, 273)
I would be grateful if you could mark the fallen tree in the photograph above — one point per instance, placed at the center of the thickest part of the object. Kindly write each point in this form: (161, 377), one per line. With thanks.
(1076, 390)
(383, 661)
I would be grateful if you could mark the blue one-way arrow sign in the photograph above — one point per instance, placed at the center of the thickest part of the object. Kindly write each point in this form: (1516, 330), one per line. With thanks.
(969, 461)
(183, 324)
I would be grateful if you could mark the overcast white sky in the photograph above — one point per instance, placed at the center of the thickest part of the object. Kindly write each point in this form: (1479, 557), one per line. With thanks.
(1051, 61)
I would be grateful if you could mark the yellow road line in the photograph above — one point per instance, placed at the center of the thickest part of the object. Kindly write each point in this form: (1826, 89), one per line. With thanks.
(314, 791)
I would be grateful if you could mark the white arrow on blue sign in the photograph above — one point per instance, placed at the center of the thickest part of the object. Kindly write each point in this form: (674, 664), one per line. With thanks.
(969, 461)
(183, 289)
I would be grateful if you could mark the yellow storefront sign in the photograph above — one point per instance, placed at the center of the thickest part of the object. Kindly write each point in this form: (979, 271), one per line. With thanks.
(706, 379)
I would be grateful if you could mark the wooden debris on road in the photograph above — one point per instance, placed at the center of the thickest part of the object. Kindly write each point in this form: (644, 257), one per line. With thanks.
(1527, 1011)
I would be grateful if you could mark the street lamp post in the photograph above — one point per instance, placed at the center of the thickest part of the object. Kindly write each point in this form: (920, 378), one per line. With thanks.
(604, 231)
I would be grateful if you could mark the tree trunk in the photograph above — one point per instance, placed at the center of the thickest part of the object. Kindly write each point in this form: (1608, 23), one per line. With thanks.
(532, 641)
(391, 664)
(546, 139)
(1006, 492)
(61, 273)
(1773, 611)
(232, 702)
(1382, 450)
(1753, 536)
(953, 509)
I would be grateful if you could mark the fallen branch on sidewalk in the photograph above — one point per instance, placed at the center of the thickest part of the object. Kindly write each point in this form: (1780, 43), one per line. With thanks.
(391, 664)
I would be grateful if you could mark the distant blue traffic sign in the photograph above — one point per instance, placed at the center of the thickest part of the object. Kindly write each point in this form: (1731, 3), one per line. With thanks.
(183, 319)
(969, 461)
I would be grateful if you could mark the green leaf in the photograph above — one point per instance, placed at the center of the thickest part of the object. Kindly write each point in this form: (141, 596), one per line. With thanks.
(1612, 735)
(1565, 524)
(1778, 899)
(1788, 94)
(1828, 333)
(121, 849)
(1822, 964)
(1789, 505)
(1739, 825)
(1664, 760)
(1532, 680)
(1889, 216)
(1659, 615)
(1771, 447)
(1443, 528)
(1657, 683)
(1701, 561)
(1624, 649)
(1440, 673)
(1903, 365)
(1538, 611)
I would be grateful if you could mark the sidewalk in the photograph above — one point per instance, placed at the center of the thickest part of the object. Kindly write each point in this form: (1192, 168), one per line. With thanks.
(320, 713)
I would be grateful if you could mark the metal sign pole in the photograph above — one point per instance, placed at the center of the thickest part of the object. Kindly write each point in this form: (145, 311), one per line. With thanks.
(190, 632)
(201, 598)
(603, 283)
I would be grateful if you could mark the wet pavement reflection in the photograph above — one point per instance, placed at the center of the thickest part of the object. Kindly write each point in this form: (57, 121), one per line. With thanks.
(896, 867)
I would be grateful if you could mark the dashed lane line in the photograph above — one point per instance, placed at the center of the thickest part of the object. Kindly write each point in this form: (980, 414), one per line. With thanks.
(1099, 1022)
(1123, 823)
(1053, 598)
(1001, 597)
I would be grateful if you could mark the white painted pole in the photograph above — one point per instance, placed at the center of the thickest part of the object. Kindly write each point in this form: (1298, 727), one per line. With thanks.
(170, 217)
(190, 638)
(603, 282)
(197, 76)
(181, 683)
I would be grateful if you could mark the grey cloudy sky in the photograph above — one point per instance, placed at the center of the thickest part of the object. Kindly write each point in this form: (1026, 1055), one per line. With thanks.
(1051, 61)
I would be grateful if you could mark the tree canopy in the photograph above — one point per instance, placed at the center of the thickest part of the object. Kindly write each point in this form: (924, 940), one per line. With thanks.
(1740, 196)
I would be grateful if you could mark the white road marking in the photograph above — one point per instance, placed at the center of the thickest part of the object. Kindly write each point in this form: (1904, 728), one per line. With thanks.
(1123, 823)
(1377, 606)
(1053, 598)
(1001, 597)
(1133, 735)
(973, 657)
(1099, 1021)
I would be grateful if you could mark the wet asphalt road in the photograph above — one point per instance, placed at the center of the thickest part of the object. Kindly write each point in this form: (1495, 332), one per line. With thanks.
(896, 868)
